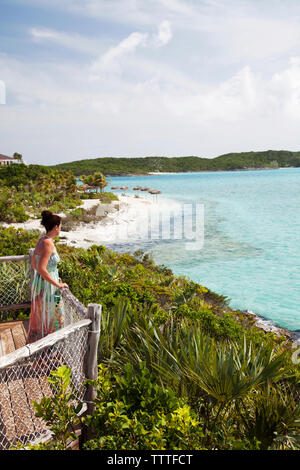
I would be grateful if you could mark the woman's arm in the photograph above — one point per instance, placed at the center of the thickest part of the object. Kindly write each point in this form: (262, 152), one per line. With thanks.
(44, 258)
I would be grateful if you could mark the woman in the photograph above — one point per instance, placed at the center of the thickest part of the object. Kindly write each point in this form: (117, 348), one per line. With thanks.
(47, 313)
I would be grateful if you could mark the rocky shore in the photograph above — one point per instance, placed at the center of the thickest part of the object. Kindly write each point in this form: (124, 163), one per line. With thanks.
(269, 327)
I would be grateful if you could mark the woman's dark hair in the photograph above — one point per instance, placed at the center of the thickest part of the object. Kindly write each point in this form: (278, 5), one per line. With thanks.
(49, 220)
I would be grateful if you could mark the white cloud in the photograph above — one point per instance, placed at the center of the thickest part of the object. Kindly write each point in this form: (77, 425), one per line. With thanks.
(255, 38)
(285, 88)
(162, 112)
(77, 42)
(109, 61)
(164, 34)
(233, 31)
(188, 77)
(229, 101)
(114, 60)
(2, 92)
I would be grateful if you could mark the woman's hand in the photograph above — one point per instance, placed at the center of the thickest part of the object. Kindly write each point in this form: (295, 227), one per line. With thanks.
(61, 285)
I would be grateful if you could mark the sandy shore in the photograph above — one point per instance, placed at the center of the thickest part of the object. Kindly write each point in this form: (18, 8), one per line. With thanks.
(118, 224)
(126, 219)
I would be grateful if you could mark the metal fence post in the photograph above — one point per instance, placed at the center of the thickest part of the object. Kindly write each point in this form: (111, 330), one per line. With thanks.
(31, 251)
(91, 361)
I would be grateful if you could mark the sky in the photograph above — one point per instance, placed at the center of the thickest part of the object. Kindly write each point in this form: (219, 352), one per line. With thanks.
(133, 78)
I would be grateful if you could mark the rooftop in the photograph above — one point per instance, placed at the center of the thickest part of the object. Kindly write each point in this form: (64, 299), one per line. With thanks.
(4, 157)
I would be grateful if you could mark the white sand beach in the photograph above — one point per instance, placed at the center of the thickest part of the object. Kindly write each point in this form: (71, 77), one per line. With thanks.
(120, 219)
(125, 219)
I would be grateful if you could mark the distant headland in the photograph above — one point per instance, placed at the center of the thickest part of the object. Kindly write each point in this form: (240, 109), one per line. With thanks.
(125, 166)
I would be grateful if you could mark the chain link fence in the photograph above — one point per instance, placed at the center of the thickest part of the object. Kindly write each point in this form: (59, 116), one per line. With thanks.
(15, 281)
(24, 372)
(25, 381)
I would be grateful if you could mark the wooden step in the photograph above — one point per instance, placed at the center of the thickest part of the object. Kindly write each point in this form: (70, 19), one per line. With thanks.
(12, 336)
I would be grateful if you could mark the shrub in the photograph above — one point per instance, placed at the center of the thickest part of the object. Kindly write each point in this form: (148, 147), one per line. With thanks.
(134, 412)
(59, 412)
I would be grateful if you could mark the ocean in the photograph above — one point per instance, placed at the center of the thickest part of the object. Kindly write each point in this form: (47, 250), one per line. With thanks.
(251, 236)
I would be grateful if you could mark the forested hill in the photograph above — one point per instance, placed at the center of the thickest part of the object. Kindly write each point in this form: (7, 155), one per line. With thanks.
(231, 161)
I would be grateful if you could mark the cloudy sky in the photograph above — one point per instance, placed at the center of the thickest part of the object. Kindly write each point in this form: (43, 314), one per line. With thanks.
(92, 78)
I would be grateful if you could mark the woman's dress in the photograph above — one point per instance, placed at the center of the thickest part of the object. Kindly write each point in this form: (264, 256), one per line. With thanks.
(47, 313)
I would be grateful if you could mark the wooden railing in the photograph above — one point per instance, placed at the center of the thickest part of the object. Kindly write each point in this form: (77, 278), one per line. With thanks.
(24, 372)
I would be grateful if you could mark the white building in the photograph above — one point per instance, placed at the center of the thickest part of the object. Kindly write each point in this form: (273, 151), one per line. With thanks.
(4, 160)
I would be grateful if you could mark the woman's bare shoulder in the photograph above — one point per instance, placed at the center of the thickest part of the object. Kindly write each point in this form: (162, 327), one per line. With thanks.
(47, 242)
(44, 246)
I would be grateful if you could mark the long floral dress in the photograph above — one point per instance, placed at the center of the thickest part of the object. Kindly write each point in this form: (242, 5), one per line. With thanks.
(47, 313)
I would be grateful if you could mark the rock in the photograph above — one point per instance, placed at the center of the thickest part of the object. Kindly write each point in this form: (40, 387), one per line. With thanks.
(104, 209)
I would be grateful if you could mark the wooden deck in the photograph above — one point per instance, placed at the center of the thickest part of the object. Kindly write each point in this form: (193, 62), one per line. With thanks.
(12, 336)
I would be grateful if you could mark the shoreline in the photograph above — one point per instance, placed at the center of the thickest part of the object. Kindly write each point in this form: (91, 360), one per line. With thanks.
(120, 219)
(118, 216)
(153, 173)
(268, 326)
(124, 219)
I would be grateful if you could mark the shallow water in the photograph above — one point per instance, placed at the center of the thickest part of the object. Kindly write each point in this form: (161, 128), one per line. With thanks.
(251, 237)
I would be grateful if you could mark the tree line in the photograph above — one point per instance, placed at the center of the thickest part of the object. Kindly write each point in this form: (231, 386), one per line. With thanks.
(111, 166)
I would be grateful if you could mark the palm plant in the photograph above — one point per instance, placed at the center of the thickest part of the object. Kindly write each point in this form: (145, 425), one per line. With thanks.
(99, 180)
(228, 372)
(271, 417)
(224, 371)
(114, 326)
(197, 366)
(217, 378)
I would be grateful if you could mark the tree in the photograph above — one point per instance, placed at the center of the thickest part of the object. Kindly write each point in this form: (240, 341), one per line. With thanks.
(18, 156)
(274, 164)
(99, 180)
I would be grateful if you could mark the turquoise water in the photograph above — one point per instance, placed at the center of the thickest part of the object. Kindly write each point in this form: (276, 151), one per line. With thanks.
(251, 237)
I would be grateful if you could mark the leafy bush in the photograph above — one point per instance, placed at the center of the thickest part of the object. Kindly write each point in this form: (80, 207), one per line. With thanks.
(28, 190)
(134, 412)
(79, 215)
(16, 242)
(59, 412)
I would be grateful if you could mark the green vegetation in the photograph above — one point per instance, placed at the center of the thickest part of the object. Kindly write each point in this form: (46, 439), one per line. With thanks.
(176, 388)
(18, 156)
(97, 180)
(135, 412)
(231, 161)
(58, 412)
(25, 191)
(14, 242)
(178, 368)
(80, 215)
(105, 198)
